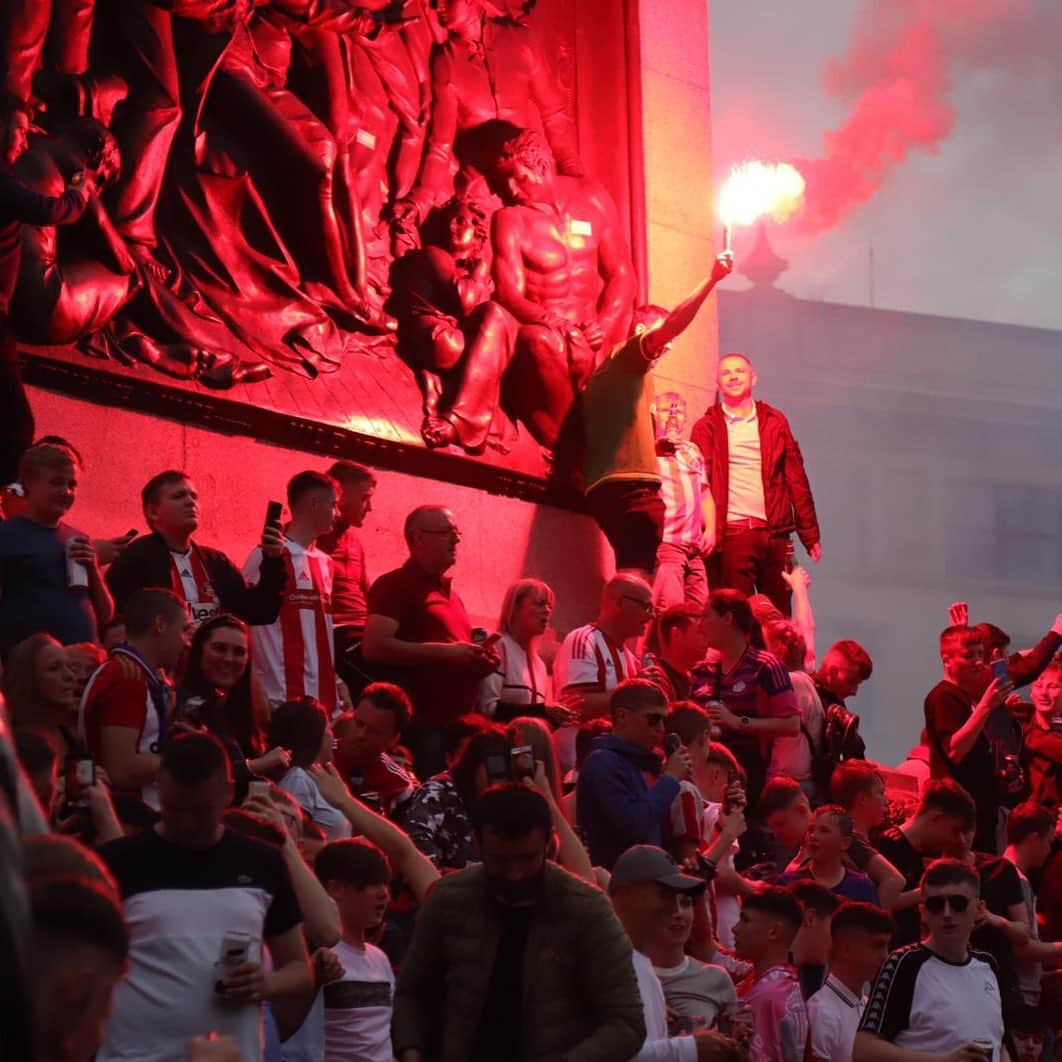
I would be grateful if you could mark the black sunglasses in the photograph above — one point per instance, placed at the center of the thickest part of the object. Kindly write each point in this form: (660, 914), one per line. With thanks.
(956, 901)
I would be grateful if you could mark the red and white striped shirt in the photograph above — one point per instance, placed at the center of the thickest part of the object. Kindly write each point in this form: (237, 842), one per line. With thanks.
(295, 656)
(589, 662)
(682, 487)
(190, 582)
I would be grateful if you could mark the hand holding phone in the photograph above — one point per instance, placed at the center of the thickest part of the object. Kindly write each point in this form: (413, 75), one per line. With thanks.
(272, 536)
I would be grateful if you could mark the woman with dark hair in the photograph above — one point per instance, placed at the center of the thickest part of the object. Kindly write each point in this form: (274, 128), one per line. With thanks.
(436, 816)
(217, 691)
(41, 691)
(301, 727)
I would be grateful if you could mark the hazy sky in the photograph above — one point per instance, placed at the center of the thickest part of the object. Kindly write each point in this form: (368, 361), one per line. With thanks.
(972, 231)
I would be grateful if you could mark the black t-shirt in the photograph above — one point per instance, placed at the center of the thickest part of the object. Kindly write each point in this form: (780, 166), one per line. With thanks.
(899, 851)
(148, 863)
(501, 1026)
(947, 709)
(1000, 890)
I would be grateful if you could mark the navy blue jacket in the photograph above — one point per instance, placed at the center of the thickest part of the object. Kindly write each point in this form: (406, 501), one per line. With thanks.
(616, 807)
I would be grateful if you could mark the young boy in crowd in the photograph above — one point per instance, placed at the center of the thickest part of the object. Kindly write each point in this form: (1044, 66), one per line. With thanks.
(786, 812)
(49, 573)
(764, 934)
(946, 809)
(859, 944)
(811, 947)
(828, 840)
(357, 876)
(936, 999)
(858, 786)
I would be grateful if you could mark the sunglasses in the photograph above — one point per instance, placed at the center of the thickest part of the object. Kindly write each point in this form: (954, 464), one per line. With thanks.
(957, 902)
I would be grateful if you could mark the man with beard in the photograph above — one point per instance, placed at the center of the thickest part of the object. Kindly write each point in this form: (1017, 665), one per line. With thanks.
(515, 957)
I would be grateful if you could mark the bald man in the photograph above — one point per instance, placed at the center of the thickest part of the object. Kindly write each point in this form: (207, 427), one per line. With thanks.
(418, 635)
(594, 659)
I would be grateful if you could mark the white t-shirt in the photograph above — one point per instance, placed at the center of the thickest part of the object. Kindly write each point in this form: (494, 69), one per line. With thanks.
(518, 680)
(658, 1046)
(833, 1014)
(589, 662)
(295, 656)
(695, 989)
(790, 755)
(924, 1003)
(358, 1008)
(300, 784)
(182, 908)
(727, 905)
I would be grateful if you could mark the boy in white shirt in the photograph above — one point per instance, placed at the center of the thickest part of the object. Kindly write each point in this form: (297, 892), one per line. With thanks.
(357, 876)
(295, 656)
(860, 935)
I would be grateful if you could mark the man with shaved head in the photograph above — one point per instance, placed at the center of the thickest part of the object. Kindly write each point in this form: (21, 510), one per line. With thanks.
(762, 495)
(419, 632)
(594, 659)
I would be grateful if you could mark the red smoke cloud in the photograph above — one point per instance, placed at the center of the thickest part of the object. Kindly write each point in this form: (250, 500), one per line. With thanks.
(896, 78)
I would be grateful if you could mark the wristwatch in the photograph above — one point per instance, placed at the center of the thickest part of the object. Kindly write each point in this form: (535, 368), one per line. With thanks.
(745, 722)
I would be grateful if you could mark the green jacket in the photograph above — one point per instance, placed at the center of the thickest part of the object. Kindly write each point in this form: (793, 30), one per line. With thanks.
(581, 999)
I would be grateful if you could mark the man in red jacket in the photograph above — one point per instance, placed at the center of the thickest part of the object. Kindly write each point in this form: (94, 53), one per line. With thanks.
(759, 485)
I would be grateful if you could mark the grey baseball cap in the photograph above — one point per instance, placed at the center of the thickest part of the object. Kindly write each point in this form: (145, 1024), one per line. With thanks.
(646, 862)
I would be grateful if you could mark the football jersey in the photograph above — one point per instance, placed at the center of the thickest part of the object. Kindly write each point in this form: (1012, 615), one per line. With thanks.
(589, 662)
(294, 656)
(191, 583)
(112, 698)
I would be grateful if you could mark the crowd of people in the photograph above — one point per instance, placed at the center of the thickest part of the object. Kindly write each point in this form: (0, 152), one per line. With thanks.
(289, 811)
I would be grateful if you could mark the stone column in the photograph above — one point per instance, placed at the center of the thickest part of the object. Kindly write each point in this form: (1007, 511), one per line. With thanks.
(680, 217)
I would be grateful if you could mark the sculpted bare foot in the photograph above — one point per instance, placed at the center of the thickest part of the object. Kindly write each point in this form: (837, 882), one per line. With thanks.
(437, 432)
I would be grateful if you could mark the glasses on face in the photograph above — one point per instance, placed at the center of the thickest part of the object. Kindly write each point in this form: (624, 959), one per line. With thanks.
(645, 606)
(450, 532)
(956, 901)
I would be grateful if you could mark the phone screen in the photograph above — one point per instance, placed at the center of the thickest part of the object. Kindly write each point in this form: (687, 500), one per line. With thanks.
(79, 772)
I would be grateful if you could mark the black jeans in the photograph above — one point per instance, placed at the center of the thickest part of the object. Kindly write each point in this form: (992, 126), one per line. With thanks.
(631, 514)
(752, 561)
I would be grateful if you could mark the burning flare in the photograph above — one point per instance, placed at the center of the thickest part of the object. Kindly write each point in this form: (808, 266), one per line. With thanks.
(756, 189)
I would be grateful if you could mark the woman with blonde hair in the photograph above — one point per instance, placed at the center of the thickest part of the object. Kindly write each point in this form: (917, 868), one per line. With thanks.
(40, 687)
(520, 685)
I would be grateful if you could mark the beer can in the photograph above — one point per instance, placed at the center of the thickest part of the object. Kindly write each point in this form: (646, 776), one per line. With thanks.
(76, 572)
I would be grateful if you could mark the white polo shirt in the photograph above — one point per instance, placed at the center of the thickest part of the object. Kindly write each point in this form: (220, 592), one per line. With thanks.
(834, 1014)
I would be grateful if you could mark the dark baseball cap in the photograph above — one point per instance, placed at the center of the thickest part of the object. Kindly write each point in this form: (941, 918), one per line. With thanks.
(646, 862)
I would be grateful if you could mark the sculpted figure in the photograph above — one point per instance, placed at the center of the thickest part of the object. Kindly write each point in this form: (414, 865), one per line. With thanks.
(561, 268)
(485, 71)
(457, 338)
(59, 298)
(289, 143)
(371, 79)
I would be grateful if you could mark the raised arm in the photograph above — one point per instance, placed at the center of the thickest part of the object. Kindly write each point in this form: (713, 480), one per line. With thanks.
(406, 859)
(682, 316)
